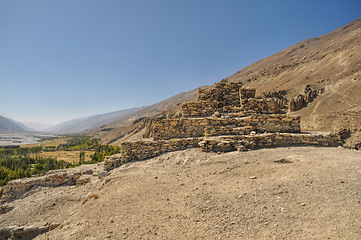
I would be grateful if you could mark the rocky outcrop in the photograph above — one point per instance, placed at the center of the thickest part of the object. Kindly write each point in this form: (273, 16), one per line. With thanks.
(25, 232)
(16, 188)
(303, 99)
(357, 146)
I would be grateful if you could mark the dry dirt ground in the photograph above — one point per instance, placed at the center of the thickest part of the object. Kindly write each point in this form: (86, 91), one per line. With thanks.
(276, 193)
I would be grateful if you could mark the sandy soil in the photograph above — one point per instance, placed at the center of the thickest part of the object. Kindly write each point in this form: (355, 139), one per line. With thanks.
(277, 193)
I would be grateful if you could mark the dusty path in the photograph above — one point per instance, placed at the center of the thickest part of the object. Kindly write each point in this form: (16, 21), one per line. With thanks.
(279, 193)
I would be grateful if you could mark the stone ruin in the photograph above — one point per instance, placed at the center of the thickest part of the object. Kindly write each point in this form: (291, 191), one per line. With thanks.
(224, 118)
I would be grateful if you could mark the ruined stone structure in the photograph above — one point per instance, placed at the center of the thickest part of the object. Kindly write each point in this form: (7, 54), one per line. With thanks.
(253, 141)
(214, 125)
(228, 97)
(224, 118)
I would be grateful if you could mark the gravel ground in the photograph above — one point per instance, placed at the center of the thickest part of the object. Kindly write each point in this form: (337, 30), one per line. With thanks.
(276, 193)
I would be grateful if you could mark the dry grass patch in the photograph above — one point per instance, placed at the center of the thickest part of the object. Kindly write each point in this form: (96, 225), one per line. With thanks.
(55, 142)
(67, 156)
(47, 143)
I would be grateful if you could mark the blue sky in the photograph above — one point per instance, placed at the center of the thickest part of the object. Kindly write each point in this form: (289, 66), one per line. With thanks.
(66, 59)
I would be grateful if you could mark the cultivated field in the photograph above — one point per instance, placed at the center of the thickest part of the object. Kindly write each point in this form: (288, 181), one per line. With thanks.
(67, 156)
(48, 143)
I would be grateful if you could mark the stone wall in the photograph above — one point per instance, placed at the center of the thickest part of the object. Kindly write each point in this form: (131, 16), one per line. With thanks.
(206, 109)
(178, 128)
(246, 93)
(198, 127)
(144, 149)
(223, 97)
(237, 99)
(264, 106)
(199, 109)
(225, 118)
(224, 92)
(247, 142)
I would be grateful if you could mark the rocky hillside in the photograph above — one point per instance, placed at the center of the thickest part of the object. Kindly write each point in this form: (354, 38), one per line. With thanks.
(331, 62)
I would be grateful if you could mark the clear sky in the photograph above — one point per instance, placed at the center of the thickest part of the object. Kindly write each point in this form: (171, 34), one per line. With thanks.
(64, 59)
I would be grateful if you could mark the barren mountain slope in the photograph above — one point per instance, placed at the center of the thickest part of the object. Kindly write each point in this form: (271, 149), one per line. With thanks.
(279, 193)
(331, 61)
(94, 121)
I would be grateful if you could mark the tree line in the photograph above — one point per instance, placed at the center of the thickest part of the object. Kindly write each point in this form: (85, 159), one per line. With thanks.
(15, 166)
(16, 162)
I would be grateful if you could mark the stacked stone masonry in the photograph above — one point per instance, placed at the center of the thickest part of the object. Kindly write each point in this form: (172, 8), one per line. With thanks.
(228, 97)
(213, 126)
(224, 93)
(144, 149)
(253, 141)
(224, 97)
(260, 105)
(225, 118)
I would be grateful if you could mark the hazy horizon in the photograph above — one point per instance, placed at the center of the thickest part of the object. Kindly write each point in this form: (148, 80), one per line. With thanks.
(62, 60)
(43, 126)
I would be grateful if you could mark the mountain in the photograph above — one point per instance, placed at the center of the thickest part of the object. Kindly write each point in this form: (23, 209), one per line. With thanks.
(94, 121)
(9, 125)
(331, 63)
(25, 127)
(37, 126)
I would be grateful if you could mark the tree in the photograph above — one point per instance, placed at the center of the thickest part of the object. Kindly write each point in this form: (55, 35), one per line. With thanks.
(82, 157)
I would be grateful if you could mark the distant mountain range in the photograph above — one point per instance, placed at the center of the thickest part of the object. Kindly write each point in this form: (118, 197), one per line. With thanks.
(9, 125)
(79, 125)
(82, 124)
(37, 126)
